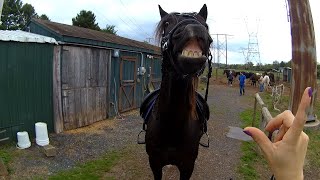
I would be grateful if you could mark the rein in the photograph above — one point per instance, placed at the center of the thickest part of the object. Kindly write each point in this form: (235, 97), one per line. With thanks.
(209, 74)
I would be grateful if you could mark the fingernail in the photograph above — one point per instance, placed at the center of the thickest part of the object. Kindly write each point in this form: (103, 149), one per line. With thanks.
(247, 133)
(310, 92)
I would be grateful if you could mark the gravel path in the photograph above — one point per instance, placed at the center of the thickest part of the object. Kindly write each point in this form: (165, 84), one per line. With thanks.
(219, 161)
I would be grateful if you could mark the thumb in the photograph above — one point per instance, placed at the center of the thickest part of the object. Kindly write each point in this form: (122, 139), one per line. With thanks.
(260, 138)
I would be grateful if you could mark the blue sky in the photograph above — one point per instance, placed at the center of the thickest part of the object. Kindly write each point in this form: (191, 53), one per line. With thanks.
(137, 19)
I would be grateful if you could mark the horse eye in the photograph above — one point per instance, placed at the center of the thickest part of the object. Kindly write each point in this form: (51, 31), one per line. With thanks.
(166, 24)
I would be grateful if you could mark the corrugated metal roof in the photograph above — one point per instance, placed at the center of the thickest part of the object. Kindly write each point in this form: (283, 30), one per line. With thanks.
(22, 36)
(79, 32)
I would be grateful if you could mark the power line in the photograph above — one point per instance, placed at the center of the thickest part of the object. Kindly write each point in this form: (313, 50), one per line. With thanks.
(135, 22)
(253, 52)
(221, 46)
(124, 22)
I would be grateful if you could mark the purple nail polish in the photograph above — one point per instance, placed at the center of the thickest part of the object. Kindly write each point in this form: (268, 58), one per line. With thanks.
(247, 133)
(310, 92)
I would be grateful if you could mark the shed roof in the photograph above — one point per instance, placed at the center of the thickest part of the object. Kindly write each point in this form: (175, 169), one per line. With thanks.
(84, 33)
(22, 36)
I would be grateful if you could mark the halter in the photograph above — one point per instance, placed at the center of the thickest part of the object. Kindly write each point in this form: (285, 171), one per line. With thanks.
(166, 43)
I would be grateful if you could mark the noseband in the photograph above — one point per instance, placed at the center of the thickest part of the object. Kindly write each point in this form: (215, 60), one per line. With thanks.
(167, 39)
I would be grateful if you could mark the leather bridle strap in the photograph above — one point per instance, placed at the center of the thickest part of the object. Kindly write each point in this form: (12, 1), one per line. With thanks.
(166, 43)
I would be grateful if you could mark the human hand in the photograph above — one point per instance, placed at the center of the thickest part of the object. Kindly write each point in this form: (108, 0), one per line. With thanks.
(286, 154)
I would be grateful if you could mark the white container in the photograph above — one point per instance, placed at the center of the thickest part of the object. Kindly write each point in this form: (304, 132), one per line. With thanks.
(23, 140)
(42, 138)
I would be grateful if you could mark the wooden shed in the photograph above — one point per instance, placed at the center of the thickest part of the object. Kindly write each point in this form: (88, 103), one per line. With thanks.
(286, 74)
(97, 75)
(25, 82)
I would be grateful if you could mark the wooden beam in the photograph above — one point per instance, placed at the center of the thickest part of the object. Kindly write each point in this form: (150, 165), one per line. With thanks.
(304, 59)
(57, 99)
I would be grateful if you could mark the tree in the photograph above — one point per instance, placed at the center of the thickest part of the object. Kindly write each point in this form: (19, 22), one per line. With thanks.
(110, 29)
(28, 12)
(85, 19)
(11, 17)
(276, 64)
(248, 65)
(288, 64)
(44, 17)
(15, 16)
(282, 64)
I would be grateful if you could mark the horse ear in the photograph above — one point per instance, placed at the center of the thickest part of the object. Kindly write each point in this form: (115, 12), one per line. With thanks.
(162, 12)
(204, 12)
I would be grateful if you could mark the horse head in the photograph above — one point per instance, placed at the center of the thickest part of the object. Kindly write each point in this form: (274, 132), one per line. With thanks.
(185, 40)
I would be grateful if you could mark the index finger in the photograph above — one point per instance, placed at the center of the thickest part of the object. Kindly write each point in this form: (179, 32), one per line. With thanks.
(301, 116)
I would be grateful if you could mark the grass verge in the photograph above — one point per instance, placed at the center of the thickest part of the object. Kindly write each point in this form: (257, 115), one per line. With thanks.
(94, 169)
(7, 154)
(250, 156)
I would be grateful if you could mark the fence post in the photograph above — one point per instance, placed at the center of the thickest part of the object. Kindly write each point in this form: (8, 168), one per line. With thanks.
(254, 112)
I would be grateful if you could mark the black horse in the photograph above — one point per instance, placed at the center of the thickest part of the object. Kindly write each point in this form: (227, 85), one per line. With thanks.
(175, 115)
(227, 72)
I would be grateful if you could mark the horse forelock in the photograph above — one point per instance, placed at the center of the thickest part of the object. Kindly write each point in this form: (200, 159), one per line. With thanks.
(161, 25)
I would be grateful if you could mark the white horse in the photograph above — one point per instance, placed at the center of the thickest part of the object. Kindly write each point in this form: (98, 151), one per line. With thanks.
(266, 82)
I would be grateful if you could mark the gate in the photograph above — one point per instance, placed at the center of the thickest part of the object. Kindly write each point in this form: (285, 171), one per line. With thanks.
(84, 86)
(127, 90)
(155, 72)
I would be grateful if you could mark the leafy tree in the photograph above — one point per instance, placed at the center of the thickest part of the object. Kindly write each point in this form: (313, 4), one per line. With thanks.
(276, 64)
(282, 64)
(28, 12)
(288, 64)
(110, 29)
(15, 15)
(249, 65)
(11, 17)
(85, 19)
(44, 17)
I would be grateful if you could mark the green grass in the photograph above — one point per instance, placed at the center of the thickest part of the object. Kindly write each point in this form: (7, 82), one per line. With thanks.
(5, 155)
(91, 170)
(94, 169)
(314, 143)
(313, 152)
(250, 156)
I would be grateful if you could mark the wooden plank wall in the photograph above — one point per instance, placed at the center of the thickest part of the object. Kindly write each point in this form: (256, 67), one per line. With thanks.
(57, 108)
(85, 83)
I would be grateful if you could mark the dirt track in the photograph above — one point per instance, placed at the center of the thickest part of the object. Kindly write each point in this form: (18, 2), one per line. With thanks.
(219, 161)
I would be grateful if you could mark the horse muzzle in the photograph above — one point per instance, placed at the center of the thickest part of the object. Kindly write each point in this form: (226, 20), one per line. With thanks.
(191, 65)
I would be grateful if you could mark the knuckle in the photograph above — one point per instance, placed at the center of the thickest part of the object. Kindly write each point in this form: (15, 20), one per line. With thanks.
(305, 137)
(287, 112)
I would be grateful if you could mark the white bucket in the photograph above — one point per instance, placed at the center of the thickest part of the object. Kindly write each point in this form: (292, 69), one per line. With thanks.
(42, 138)
(23, 140)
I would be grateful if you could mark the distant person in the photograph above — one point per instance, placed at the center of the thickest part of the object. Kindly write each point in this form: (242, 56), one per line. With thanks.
(242, 82)
(230, 79)
(266, 82)
(261, 83)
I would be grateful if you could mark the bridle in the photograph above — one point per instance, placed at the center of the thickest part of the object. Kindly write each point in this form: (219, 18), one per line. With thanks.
(166, 43)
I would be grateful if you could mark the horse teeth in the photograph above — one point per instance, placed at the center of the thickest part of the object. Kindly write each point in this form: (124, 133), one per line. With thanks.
(194, 54)
(185, 53)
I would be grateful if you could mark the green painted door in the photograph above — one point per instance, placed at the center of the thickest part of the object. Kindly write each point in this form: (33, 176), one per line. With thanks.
(127, 90)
